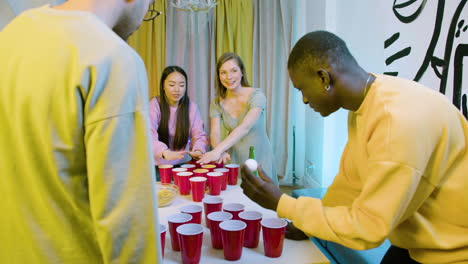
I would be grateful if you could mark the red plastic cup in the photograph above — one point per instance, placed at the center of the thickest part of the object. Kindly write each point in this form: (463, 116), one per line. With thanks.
(219, 165)
(274, 230)
(189, 167)
(232, 235)
(176, 220)
(233, 173)
(191, 240)
(162, 233)
(184, 182)
(211, 204)
(194, 210)
(225, 173)
(174, 174)
(198, 184)
(194, 162)
(165, 172)
(252, 232)
(214, 182)
(234, 209)
(215, 219)
(200, 172)
(209, 167)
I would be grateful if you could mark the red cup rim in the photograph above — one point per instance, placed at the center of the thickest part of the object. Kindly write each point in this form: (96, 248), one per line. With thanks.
(165, 166)
(189, 229)
(219, 216)
(221, 170)
(214, 174)
(250, 215)
(232, 225)
(188, 166)
(200, 170)
(212, 200)
(179, 218)
(184, 173)
(234, 207)
(208, 166)
(274, 222)
(179, 169)
(198, 179)
(232, 165)
(191, 208)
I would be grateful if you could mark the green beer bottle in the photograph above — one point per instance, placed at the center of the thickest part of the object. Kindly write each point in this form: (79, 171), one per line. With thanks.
(252, 156)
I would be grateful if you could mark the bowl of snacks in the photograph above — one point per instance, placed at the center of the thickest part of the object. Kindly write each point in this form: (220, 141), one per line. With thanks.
(166, 194)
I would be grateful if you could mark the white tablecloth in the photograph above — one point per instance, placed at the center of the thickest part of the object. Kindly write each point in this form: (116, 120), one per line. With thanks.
(294, 252)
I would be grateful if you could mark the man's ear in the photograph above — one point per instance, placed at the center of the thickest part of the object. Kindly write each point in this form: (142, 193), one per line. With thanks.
(325, 77)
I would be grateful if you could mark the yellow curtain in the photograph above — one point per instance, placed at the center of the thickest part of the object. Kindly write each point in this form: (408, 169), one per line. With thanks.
(234, 30)
(149, 42)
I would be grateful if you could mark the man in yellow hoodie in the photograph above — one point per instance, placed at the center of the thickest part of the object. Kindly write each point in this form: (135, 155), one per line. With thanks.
(404, 171)
(76, 174)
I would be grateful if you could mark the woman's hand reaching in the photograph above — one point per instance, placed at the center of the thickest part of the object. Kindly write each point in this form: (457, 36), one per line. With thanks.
(173, 155)
(214, 156)
(209, 156)
(196, 154)
(225, 157)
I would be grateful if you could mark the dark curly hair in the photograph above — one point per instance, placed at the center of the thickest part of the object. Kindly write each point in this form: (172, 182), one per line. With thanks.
(319, 49)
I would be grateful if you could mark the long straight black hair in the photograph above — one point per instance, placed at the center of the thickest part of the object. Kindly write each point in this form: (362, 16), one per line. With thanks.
(182, 124)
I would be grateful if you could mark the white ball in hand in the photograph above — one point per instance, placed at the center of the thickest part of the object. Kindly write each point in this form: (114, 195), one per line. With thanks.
(251, 164)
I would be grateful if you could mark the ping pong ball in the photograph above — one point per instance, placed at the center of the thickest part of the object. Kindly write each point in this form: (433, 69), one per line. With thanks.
(251, 164)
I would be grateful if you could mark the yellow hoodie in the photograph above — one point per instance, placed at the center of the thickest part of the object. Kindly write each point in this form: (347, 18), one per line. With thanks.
(76, 174)
(403, 175)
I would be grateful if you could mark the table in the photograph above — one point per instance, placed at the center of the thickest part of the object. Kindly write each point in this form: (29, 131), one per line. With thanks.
(297, 252)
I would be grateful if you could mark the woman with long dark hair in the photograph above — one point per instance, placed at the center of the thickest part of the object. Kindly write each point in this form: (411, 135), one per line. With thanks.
(176, 126)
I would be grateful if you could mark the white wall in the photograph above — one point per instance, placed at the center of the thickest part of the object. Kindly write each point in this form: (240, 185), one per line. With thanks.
(435, 33)
(350, 20)
(319, 141)
(308, 16)
(365, 26)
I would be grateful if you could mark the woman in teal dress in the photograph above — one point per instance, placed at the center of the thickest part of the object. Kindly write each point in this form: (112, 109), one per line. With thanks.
(238, 118)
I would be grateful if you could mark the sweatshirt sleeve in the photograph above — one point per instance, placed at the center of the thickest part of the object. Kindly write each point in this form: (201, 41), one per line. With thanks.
(120, 178)
(155, 118)
(197, 131)
(370, 217)
(376, 189)
(342, 191)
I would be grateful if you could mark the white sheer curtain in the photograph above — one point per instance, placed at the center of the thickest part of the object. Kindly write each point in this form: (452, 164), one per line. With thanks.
(278, 25)
(273, 22)
(190, 45)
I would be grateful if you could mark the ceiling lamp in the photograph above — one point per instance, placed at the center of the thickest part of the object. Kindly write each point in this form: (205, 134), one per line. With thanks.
(194, 5)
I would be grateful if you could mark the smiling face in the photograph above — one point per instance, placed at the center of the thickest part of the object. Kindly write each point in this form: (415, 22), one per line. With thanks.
(230, 75)
(312, 87)
(174, 87)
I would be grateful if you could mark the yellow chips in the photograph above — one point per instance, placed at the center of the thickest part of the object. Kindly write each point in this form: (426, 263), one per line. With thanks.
(165, 195)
